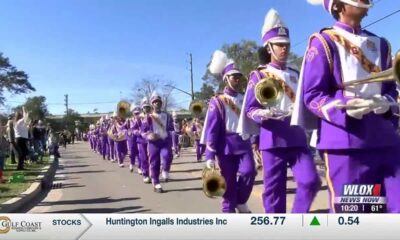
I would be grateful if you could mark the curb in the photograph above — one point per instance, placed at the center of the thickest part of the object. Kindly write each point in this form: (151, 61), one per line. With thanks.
(43, 181)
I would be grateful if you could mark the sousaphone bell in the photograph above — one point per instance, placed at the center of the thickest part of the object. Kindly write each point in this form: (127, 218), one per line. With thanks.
(197, 108)
(123, 109)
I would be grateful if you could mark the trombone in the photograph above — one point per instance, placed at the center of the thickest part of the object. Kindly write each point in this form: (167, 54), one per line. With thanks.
(391, 74)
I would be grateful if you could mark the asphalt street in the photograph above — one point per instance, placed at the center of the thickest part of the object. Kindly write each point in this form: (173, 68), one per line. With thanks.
(85, 183)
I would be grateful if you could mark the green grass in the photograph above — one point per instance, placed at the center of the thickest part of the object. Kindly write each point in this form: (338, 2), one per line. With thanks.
(32, 170)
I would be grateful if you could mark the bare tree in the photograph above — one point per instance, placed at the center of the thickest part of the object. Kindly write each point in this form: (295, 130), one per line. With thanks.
(148, 85)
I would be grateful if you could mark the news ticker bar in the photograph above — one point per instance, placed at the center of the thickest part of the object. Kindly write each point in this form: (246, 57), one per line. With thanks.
(199, 226)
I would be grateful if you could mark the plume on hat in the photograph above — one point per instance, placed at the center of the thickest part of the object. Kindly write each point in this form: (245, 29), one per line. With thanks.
(272, 20)
(315, 2)
(218, 62)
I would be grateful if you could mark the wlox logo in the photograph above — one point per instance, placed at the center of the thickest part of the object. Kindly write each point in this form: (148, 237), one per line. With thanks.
(362, 190)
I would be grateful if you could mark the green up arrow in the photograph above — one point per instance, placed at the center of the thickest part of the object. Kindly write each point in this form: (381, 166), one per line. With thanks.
(315, 222)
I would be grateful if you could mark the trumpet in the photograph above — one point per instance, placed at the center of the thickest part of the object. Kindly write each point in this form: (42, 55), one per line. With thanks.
(268, 92)
(197, 108)
(214, 184)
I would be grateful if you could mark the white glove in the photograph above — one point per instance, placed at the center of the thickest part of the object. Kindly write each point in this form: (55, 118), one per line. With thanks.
(381, 104)
(358, 112)
(265, 113)
(279, 114)
(210, 163)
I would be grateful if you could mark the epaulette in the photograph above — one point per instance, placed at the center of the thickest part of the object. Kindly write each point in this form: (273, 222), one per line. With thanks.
(325, 44)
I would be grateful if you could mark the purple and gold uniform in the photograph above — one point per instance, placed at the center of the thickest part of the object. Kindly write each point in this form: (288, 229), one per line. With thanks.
(142, 141)
(132, 129)
(280, 144)
(196, 129)
(175, 135)
(359, 147)
(158, 126)
(234, 154)
(121, 147)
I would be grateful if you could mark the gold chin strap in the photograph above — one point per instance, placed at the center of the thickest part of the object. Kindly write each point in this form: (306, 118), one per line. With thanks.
(273, 53)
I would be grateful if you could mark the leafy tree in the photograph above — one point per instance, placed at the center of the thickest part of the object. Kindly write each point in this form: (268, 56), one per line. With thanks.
(12, 80)
(245, 56)
(205, 93)
(36, 106)
(70, 118)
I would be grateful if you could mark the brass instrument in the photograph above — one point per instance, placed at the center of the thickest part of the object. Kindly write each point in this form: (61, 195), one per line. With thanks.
(120, 137)
(391, 74)
(214, 184)
(197, 108)
(123, 109)
(268, 92)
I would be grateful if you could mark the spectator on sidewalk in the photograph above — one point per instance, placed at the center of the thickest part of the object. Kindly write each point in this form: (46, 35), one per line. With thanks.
(21, 136)
(3, 153)
(53, 143)
(11, 139)
(37, 137)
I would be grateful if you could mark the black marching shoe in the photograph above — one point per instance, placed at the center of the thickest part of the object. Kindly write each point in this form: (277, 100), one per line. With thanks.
(158, 190)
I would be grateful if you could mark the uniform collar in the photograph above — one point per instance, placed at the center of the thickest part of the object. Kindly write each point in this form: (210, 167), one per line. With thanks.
(277, 66)
(229, 91)
(348, 28)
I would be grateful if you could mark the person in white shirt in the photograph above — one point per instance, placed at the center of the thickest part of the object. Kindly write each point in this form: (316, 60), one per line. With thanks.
(21, 136)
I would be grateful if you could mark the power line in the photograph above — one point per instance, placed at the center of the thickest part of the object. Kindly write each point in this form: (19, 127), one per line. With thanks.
(368, 25)
(393, 13)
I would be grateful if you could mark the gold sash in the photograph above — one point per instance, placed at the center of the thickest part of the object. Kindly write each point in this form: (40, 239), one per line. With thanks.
(354, 50)
(157, 121)
(230, 104)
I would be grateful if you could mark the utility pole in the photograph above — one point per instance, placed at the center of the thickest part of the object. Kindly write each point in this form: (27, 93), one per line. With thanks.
(66, 104)
(191, 75)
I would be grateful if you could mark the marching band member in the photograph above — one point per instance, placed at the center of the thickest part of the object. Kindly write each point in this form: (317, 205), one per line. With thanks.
(111, 131)
(196, 129)
(104, 137)
(91, 137)
(142, 140)
(158, 127)
(132, 128)
(175, 135)
(97, 134)
(355, 134)
(121, 146)
(280, 144)
(233, 153)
